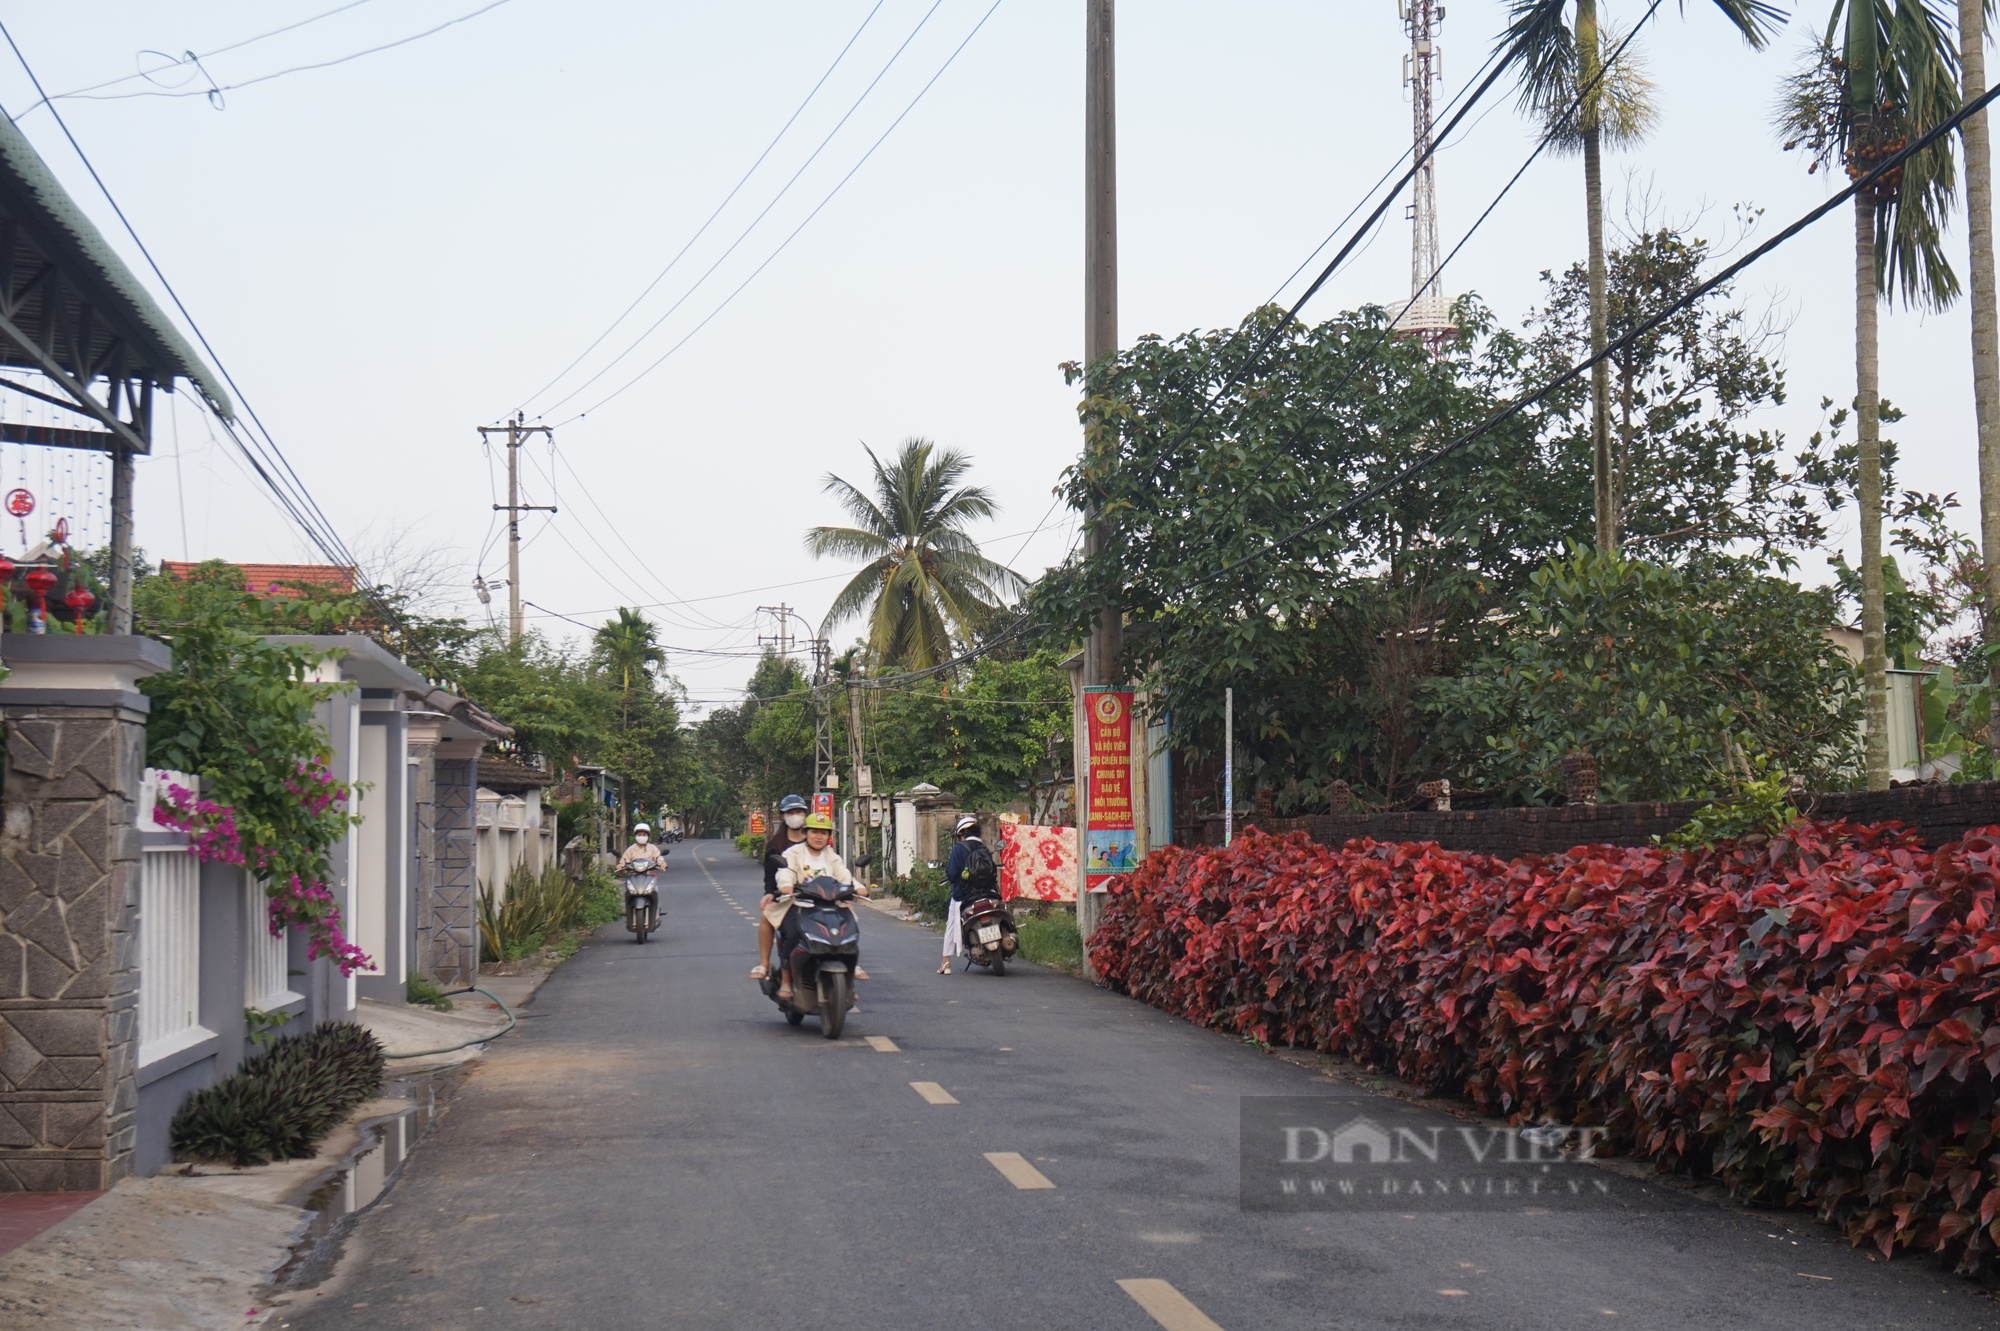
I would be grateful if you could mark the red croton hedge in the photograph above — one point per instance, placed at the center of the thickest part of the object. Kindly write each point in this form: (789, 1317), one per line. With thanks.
(1809, 1017)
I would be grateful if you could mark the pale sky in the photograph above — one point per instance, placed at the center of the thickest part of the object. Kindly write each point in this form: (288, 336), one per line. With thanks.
(391, 251)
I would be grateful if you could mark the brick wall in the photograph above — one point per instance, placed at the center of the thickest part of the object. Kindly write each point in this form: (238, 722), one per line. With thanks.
(1939, 813)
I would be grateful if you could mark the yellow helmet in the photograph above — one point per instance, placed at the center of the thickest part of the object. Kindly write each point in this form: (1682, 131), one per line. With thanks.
(820, 821)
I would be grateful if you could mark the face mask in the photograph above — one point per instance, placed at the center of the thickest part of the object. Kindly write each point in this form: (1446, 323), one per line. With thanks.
(642, 838)
(795, 820)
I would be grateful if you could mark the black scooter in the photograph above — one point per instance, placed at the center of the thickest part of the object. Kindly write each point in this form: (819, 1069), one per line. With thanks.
(642, 897)
(823, 974)
(986, 930)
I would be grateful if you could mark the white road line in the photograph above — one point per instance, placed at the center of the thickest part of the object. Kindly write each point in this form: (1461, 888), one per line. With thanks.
(1167, 1306)
(882, 1044)
(934, 1093)
(1015, 1168)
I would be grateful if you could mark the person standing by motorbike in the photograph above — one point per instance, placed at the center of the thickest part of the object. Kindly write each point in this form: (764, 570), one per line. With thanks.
(968, 853)
(814, 859)
(792, 814)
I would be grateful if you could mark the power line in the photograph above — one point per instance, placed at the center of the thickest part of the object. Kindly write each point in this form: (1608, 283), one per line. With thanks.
(734, 191)
(299, 504)
(205, 55)
(783, 190)
(1499, 417)
(215, 90)
(795, 231)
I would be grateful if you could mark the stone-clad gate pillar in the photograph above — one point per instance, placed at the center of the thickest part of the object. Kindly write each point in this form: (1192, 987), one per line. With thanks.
(69, 907)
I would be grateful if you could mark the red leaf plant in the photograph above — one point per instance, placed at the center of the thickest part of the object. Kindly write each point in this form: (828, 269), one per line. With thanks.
(1808, 1017)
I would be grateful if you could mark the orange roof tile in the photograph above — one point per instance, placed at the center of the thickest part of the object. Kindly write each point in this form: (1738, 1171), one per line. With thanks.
(264, 578)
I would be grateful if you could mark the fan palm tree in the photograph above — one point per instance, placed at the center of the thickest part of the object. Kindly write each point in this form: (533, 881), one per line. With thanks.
(925, 588)
(1559, 59)
(1884, 74)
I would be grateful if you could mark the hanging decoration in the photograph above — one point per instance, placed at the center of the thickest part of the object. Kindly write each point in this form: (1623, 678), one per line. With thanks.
(79, 601)
(20, 502)
(40, 581)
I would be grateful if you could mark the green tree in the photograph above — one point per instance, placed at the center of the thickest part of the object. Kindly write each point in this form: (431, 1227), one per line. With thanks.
(1000, 738)
(1585, 107)
(1327, 642)
(925, 588)
(1884, 74)
(1671, 680)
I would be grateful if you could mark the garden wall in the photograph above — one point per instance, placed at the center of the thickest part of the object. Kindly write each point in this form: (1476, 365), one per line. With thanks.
(1936, 812)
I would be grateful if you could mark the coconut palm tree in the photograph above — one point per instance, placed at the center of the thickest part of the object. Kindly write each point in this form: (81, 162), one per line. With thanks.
(925, 589)
(1557, 59)
(1884, 74)
(1985, 321)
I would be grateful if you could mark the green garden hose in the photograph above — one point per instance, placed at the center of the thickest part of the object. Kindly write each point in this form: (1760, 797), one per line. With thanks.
(466, 1044)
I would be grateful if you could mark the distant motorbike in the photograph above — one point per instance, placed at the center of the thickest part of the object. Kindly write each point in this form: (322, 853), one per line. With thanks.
(823, 973)
(986, 929)
(642, 897)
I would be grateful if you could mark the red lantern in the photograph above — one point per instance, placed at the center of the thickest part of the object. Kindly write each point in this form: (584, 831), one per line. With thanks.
(40, 581)
(79, 600)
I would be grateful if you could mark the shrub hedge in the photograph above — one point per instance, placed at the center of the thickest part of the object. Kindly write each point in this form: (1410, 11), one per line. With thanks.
(1808, 1017)
(281, 1103)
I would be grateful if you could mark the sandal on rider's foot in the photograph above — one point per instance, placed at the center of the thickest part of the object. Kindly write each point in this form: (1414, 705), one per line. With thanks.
(758, 972)
(944, 967)
(784, 995)
(860, 974)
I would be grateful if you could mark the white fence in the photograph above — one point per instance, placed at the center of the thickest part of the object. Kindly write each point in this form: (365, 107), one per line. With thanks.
(266, 985)
(169, 934)
(169, 952)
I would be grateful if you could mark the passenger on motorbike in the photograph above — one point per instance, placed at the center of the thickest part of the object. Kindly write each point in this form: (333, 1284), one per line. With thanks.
(792, 813)
(814, 859)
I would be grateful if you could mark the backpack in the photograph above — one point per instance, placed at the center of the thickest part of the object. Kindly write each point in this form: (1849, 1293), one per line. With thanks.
(982, 874)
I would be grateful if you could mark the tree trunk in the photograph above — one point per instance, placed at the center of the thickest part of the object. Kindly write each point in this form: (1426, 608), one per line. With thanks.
(1985, 329)
(1868, 434)
(1589, 65)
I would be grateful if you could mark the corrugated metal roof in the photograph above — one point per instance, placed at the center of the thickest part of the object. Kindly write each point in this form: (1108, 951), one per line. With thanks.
(31, 195)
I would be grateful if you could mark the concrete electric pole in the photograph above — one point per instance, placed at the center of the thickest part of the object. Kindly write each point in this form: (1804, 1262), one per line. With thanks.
(1100, 339)
(514, 508)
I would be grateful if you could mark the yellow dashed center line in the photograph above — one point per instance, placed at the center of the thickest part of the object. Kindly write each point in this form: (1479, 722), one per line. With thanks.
(1167, 1306)
(935, 1094)
(1015, 1168)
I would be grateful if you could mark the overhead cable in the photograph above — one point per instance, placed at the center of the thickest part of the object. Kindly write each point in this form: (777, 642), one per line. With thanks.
(756, 221)
(702, 230)
(782, 245)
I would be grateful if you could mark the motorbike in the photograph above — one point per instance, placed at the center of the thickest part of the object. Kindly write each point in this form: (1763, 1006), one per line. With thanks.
(986, 929)
(823, 975)
(642, 897)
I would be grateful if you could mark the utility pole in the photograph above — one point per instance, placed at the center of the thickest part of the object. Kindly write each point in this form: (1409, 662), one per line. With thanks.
(781, 638)
(1100, 287)
(1100, 339)
(1427, 317)
(514, 508)
(823, 769)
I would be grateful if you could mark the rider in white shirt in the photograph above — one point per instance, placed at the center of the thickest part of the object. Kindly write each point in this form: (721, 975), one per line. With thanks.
(814, 859)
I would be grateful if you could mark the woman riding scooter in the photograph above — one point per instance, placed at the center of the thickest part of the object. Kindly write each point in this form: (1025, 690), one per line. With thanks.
(792, 811)
(815, 858)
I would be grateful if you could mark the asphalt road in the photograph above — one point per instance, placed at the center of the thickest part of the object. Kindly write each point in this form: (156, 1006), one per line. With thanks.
(656, 1147)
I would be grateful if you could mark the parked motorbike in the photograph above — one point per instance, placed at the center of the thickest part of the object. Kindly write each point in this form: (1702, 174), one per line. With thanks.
(642, 897)
(823, 976)
(986, 929)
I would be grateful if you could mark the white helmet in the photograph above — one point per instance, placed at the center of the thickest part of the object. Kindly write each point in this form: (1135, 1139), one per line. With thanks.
(966, 824)
(640, 827)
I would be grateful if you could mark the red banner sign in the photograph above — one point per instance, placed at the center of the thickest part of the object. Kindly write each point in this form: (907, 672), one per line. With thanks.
(1111, 843)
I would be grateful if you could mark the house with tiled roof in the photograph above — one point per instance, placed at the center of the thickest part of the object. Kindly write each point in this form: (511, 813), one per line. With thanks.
(272, 579)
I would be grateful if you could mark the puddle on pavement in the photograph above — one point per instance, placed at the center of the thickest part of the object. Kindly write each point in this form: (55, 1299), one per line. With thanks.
(337, 1199)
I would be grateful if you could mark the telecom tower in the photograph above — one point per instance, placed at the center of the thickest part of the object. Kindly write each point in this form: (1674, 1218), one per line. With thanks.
(1428, 317)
